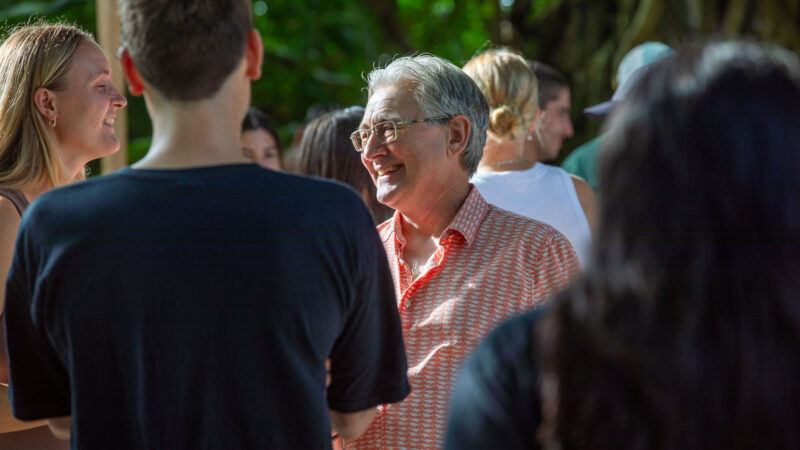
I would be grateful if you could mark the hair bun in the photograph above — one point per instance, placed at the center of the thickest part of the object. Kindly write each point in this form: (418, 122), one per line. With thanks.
(504, 121)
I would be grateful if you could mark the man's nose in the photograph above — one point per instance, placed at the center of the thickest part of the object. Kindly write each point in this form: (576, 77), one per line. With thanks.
(373, 147)
(568, 129)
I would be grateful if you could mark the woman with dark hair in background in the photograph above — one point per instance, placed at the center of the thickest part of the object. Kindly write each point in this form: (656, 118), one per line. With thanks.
(260, 141)
(685, 334)
(326, 151)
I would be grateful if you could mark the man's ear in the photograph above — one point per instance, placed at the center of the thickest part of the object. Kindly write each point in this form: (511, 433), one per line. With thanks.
(135, 83)
(458, 136)
(44, 99)
(254, 53)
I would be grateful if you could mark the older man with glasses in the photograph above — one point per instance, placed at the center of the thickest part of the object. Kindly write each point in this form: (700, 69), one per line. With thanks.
(460, 265)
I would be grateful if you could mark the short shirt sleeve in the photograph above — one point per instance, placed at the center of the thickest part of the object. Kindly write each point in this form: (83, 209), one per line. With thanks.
(368, 361)
(39, 379)
(495, 401)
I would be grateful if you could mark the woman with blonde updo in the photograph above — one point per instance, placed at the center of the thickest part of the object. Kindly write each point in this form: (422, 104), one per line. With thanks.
(506, 176)
(57, 112)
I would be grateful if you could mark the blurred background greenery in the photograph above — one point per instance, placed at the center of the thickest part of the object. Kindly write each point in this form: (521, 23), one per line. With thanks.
(316, 51)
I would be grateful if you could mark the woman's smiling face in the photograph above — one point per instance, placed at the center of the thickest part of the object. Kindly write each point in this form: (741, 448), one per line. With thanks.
(86, 107)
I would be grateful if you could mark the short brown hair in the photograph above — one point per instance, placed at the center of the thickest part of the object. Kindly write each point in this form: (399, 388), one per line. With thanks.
(550, 81)
(185, 48)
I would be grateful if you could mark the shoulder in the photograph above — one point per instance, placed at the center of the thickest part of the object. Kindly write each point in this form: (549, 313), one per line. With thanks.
(553, 176)
(8, 212)
(517, 226)
(588, 200)
(9, 222)
(582, 188)
(545, 252)
(317, 190)
(532, 237)
(582, 155)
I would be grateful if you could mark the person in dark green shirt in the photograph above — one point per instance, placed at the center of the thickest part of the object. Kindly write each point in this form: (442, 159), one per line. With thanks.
(583, 159)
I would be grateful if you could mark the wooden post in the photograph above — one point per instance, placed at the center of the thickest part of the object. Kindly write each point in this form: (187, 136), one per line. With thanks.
(108, 33)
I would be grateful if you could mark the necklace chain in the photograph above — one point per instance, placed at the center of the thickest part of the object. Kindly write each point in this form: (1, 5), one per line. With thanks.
(505, 162)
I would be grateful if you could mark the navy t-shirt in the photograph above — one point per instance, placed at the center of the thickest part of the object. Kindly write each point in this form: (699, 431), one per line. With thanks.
(195, 308)
(495, 402)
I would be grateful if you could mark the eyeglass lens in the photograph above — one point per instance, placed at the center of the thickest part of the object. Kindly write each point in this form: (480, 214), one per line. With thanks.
(385, 132)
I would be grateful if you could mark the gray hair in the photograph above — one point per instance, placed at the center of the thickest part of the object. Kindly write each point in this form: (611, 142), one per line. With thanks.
(440, 89)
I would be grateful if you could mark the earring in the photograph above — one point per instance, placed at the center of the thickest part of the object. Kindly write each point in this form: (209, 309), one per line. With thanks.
(529, 137)
(52, 122)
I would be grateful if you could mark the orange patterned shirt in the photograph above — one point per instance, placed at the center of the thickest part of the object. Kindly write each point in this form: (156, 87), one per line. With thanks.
(490, 264)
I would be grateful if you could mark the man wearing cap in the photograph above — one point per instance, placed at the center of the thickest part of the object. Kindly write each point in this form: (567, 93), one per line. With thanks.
(583, 160)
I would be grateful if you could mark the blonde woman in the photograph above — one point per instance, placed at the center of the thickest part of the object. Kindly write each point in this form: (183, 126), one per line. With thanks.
(57, 111)
(507, 176)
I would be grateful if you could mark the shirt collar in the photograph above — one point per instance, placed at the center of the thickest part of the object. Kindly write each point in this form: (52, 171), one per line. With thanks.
(466, 222)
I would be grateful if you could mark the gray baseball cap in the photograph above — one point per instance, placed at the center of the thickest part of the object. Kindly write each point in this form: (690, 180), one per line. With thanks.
(631, 69)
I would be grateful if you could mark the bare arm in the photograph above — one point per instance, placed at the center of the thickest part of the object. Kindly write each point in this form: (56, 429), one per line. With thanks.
(351, 425)
(8, 423)
(588, 201)
(61, 427)
(9, 223)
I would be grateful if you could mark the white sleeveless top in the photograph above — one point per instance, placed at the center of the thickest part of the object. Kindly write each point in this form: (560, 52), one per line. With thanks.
(544, 193)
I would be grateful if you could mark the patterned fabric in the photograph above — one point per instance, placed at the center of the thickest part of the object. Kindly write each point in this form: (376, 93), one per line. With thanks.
(490, 264)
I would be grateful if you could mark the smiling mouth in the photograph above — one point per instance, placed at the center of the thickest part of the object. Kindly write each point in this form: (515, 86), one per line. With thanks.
(109, 121)
(388, 170)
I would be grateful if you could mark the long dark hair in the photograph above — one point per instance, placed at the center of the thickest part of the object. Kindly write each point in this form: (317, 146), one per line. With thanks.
(326, 151)
(686, 333)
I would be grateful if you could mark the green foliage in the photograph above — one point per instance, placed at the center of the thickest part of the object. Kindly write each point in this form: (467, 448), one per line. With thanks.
(317, 51)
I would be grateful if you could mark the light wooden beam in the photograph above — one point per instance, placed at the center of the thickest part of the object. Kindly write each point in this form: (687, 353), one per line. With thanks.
(108, 33)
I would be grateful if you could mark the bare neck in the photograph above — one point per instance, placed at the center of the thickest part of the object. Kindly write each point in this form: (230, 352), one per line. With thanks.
(430, 216)
(194, 134)
(424, 224)
(500, 155)
(532, 149)
(33, 191)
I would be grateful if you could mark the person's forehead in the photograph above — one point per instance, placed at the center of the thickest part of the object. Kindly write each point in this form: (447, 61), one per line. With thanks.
(394, 101)
(562, 100)
(90, 61)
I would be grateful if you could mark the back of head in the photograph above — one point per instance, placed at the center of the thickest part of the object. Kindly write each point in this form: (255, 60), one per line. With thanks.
(185, 48)
(32, 57)
(510, 87)
(549, 80)
(686, 334)
(441, 90)
(326, 151)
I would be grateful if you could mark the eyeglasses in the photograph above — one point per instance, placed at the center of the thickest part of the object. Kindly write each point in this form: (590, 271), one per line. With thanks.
(385, 131)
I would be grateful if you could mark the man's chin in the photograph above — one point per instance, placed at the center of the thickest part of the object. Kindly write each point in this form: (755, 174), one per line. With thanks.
(387, 196)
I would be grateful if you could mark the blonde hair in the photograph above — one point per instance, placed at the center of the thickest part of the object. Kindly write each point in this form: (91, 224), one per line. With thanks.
(510, 87)
(33, 56)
